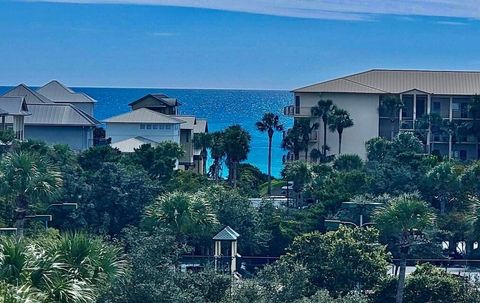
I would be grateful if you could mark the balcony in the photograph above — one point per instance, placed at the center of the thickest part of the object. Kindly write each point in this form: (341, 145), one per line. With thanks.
(297, 111)
(289, 110)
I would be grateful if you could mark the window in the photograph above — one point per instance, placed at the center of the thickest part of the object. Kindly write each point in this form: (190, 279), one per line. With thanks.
(187, 137)
(149, 126)
(155, 126)
(161, 126)
(142, 126)
(168, 126)
(463, 155)
(421, 102)
(436, 107)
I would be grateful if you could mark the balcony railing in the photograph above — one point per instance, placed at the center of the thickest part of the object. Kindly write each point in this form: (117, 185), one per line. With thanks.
(300, 111)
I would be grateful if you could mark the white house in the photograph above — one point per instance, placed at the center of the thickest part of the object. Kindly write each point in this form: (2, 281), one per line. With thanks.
(141, 126)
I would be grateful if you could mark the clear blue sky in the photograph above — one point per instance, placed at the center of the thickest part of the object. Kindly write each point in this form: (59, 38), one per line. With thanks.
(245, 46)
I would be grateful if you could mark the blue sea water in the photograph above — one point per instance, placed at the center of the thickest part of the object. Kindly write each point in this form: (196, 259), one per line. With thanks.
(221, 107)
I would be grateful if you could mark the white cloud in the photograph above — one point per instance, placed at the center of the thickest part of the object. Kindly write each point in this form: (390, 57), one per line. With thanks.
(321, 9)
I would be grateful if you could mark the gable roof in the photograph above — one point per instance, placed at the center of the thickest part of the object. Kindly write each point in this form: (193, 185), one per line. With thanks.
(143, 115)
(31, 96)
(129, 145)
(58, 114)
(58, 92)
(201, 126)
(13, 106)
(190, 122)
(398, 81)
(226, 234)
(160, 97)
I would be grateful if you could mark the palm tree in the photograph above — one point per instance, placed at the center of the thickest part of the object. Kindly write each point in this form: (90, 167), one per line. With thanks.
(444, 182)
(293, 141)
(269, 124)
(217, 150)
(27, 178)
(338, 121)
(237, 146)
(300, 173)
(305, 128)
(472, 128)
(73, 268)
(426, 125)
(203, 141)
(390, 105)
(323, 109)
(404, 219)
(185, 214)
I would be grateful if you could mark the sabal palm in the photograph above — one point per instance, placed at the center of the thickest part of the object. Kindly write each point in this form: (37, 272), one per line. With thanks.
(73, 268)
(203, 141)
(391, 105)
(217, 150)
(269, 124)
(237, 146)
(323, 109)
(428, 124)
(404, 219)
(27, 178)
(184, 213)
(293, 142)
(305, 129)
(338, 121)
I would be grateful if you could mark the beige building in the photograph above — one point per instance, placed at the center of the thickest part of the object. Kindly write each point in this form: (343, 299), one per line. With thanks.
(447, 93)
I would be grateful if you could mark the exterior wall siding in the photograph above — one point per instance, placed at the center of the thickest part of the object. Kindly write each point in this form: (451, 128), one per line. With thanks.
(363, 109)
(122, 131)
(77, 137)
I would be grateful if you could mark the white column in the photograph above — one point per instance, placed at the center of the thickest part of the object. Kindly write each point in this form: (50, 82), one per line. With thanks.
(233, 265)
(400, 113)
(414, 109)
(429, 132)
(450, 116)
(217, 253)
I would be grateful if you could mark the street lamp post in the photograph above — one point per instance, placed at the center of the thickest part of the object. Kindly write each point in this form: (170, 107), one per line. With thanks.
(362, 206)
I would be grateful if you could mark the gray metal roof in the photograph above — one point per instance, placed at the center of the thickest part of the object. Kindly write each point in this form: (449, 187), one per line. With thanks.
(189, 122)
(129, 145)
(160, 97)
(31, 96)
(57, 114)
(143, 115)
(58, 92)
(398, 81)
(201, 126)
(13, 106)
(227, 234)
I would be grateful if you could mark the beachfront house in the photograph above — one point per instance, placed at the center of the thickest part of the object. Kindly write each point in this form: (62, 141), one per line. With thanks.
(131, 130)
(155, 118)
(447, 93)
(59, 120)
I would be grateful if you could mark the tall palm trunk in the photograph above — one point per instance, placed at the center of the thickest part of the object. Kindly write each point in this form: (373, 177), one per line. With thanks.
(204, 161)
(20, 213)
(324, 138)
(401, 278)
(392, 129)
(270, 164)
(339, 143)
(234, 174)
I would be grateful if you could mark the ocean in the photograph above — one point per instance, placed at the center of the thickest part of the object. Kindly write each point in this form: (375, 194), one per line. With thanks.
(221, 107)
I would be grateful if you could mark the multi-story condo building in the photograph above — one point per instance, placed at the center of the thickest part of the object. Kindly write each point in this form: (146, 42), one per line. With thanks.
(447, 93)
